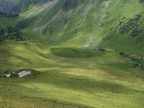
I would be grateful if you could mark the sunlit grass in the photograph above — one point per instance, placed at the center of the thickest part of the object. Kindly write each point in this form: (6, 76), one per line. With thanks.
(67, 75)
(69, 81)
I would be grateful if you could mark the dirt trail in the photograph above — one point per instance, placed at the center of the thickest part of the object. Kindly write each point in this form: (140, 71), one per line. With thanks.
(86, 11)
(74, 13)
(54, 17)
(66, 25)
(67, 15)
(35, 28)
(44, 8)
(95, 2)
(103, 15)
(71, 14)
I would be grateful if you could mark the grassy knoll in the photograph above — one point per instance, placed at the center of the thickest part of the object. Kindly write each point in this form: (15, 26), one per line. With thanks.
(67, 79)
(75, 56)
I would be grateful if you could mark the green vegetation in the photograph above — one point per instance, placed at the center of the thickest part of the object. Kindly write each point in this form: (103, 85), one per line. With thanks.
(72, 81)
(131, 25)
(10, 33)
(87, 55)
(76, 53)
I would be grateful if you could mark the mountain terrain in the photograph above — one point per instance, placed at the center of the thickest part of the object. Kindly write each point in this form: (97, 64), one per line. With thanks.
(82, 53)
(67, 23)
(24, 4)
(7, 5)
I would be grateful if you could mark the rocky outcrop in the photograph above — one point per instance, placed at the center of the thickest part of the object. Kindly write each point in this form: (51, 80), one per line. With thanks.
(71, 3)
(95, 2)
(23, 5)
(6, 6)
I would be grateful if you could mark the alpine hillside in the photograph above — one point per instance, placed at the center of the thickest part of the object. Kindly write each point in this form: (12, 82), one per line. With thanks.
(7, 5)
(57, 22)
(80, 53)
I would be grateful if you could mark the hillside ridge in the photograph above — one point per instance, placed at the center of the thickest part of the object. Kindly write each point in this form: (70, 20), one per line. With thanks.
(85, 23)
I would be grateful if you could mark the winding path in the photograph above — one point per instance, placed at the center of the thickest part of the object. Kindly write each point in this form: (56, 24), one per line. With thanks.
(103, 15)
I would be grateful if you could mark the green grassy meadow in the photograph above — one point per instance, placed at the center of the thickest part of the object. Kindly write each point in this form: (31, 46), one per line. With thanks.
(81, 57)
(63, 79)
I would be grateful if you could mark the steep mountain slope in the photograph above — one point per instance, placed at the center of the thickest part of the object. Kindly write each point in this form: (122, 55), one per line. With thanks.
(88, 23)
(84, 23)
(24, 4)
(7, 5)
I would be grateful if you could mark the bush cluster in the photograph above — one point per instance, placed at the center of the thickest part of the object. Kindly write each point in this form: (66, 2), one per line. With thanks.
(132, 26)
(9, 16)
(10, 33)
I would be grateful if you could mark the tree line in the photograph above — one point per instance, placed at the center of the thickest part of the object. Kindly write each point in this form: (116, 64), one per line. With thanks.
(8, 15)
(10, 33)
